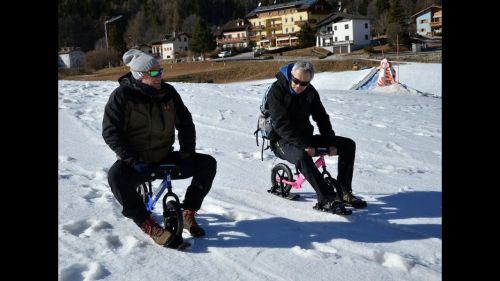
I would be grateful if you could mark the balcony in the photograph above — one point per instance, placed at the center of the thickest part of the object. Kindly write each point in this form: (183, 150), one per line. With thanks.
(300, 22)
(257, 28)
(350, 42)
(274, 26)
(436, 24)
(256, 37)
(322, 33)
(231, 40)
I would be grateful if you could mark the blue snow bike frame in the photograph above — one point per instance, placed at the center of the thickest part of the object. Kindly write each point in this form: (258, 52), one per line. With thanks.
(172, 210)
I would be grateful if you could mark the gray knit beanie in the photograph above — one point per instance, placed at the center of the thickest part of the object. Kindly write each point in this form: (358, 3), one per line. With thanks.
(138, 62)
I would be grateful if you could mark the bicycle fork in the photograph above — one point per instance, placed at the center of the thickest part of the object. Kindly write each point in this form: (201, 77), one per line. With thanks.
(165, 184)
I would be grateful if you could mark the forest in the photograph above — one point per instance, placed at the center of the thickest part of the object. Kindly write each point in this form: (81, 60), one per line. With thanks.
(81, 22)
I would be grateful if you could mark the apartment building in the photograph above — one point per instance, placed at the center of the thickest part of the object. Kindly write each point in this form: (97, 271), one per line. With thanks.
(276, 26)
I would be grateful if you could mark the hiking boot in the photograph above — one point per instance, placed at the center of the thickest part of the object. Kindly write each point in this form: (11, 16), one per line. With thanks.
(333, 206)
(351, 200)
(191, 225)
(155, 231)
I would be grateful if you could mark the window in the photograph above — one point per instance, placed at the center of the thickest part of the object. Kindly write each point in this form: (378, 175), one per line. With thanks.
(335, 27)
(329, 29)
(286, 30)
(291, 19)
(366, 25)
(366, 36)
(300, 18)
(286, 20)
(185, 39)
(293, 29)
(347, 38)
(336, 39)
(346, 26)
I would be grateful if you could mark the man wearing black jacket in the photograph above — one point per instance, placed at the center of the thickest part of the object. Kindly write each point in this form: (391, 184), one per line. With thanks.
(139, 125)
(291, 101)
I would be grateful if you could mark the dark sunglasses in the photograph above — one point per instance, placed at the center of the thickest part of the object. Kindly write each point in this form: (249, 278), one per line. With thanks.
(301, 83)
(155, 73)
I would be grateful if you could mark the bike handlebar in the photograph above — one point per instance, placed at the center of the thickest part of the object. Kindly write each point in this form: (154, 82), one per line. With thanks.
(162, 168)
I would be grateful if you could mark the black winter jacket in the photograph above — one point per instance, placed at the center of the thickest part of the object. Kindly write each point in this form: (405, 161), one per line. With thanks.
(139, 122)
(290, 112)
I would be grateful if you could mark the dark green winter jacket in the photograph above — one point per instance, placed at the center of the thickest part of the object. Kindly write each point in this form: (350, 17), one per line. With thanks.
(139, 122)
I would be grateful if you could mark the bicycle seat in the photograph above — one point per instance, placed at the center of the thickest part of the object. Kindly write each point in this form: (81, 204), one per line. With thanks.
(163, 168)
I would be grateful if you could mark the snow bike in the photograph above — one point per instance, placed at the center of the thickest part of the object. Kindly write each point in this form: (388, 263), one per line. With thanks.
(282, 179)
(172, 211)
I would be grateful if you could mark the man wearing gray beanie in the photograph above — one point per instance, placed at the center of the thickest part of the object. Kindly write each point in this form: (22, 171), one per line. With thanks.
(139, 124)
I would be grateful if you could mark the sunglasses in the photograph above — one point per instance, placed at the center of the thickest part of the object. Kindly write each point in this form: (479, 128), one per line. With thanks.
(155, 73)
(301, 83)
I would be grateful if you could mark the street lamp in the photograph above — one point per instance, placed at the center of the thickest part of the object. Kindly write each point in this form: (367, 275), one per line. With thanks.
(106, 35)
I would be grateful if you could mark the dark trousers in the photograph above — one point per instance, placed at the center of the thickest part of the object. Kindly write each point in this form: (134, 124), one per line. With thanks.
(123, 180)
(346, 150)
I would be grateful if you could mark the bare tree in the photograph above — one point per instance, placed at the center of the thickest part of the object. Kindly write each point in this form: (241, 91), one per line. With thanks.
(136, 28)
(372, 11)
(393, 30)
(189, 23)
(381, 23)
(408, 7)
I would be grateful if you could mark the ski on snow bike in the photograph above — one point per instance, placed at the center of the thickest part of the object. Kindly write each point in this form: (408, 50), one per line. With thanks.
(282, 180)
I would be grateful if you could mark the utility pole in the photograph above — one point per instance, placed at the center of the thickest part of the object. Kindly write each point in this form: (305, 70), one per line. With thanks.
(106, 36)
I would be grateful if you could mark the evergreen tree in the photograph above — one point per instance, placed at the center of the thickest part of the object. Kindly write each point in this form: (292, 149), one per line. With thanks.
(202, 39)
(396, 13)
(306, 35)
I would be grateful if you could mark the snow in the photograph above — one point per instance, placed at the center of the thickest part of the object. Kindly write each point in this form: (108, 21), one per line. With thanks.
(252, 235)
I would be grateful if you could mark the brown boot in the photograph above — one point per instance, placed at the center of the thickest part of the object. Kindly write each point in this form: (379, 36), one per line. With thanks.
(191, 225)
(155, 231)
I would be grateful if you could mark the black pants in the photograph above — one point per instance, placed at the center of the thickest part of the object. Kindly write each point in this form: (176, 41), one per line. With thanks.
(346, 149)
(124, 180)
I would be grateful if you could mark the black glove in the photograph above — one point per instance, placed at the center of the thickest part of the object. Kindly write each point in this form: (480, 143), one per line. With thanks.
(143, 168)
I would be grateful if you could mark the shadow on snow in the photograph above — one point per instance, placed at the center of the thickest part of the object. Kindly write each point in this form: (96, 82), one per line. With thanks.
(370, 225)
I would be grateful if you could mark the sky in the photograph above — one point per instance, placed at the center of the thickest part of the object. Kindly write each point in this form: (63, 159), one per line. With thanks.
(251, 234)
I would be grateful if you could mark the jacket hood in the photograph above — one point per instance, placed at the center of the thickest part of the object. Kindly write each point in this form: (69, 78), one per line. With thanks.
(287, 73)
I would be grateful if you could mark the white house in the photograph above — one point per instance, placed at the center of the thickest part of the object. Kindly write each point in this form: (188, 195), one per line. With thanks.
(170, 47)
(429, 21)
(343, 33)
(144, 48)
(174, 44)
(70, 57)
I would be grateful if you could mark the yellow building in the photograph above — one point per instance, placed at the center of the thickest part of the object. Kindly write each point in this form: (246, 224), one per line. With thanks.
(276, 26)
